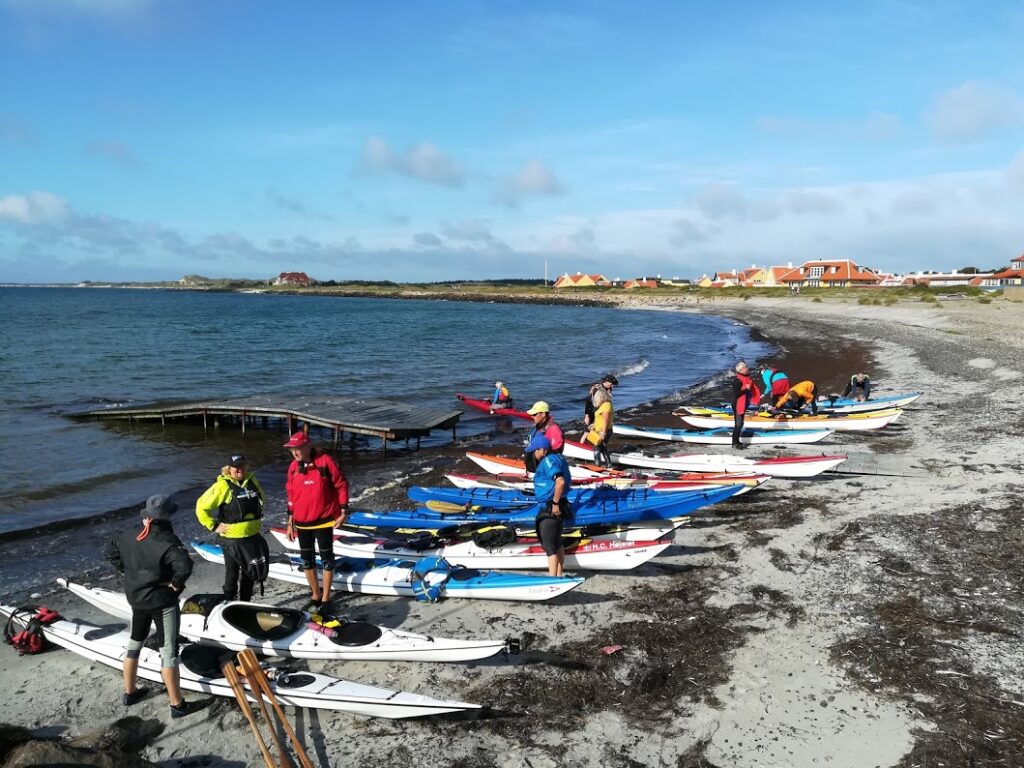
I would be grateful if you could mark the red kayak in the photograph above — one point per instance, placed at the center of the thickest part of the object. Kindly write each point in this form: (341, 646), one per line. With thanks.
(485, 406)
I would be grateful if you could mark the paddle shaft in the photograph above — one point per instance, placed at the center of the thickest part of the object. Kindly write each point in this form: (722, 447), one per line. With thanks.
(254, 686)
(231, 675)
(255, 674)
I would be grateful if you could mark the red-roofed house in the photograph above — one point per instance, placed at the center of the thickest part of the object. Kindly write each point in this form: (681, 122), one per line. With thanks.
(579, 280)
(294, 278)
(1014, 275)
(642, 282)
(725, 279)
(841, 273)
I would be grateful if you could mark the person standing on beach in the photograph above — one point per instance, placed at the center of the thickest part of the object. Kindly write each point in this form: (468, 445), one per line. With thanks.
(156, 566)
(233, 509)
(745, 397)
(600, 432)
(543, 424)
(799, 395)
(551, 483)
(860, 386)
(317, 504)
(608, 383)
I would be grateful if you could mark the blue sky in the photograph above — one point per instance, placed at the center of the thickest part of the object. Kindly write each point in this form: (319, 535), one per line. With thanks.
(149, 139)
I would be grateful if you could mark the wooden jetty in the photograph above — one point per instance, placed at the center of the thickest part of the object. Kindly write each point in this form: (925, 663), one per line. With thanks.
(386, 419)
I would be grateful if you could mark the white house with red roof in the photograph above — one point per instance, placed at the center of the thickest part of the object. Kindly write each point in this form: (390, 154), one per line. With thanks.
(294, 278)
(840, 273)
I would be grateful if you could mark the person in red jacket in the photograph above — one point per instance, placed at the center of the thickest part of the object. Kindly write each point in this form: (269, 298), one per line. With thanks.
(745, 396)
(317, 504)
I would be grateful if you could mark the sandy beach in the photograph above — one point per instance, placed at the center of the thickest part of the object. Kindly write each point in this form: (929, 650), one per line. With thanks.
(867, 618)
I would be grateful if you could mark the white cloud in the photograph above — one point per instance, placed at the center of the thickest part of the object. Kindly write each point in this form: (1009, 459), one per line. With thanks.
(89, 7)
(424, 161)
(973, 111)
(534, 178)
(471, 230)
(33, 208)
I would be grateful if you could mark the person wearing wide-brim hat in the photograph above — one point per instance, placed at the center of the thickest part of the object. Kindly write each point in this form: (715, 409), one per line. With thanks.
(156, 566)
(233, 509)
(317, 504)
(551, 483)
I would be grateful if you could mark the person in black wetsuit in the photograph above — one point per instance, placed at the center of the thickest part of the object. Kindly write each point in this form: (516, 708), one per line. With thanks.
(859, 386)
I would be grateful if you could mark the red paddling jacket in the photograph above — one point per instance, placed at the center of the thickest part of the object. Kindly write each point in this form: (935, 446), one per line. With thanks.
(317, 489)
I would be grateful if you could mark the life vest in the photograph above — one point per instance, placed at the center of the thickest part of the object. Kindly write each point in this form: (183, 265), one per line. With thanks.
(502, 395)
(748, 388)
(245, 503)
(31, 639)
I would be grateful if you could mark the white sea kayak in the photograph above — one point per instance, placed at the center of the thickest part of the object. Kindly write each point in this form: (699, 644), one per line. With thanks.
(782, 466)
(596, 554)
(274, 631)
(723, 436)
(396, 577)
(654, 483)
(200, 672)
(833, 404)
(853, 422)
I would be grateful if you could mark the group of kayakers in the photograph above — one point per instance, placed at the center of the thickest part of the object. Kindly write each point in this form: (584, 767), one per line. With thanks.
(156, 564)
(778, 395)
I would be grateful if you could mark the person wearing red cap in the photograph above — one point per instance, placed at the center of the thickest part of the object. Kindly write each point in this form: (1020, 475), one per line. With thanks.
(317, 504)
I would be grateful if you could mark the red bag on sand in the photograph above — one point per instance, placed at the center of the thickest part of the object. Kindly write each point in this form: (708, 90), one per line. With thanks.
(608, 650)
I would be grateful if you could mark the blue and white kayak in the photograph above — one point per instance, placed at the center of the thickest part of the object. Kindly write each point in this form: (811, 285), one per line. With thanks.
(829, 405)
(401, 578)
(723, 436)
(590, 505)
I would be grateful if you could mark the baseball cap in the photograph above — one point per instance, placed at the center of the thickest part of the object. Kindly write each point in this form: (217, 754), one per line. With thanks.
(539, 441)
(297, 440)
(611, 379)
(237, 460)
(539, 407)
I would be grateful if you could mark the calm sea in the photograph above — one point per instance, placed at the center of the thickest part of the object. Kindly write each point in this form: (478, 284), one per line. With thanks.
(67, 349)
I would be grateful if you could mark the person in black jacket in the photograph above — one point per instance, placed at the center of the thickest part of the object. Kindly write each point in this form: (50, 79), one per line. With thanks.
(156, 566)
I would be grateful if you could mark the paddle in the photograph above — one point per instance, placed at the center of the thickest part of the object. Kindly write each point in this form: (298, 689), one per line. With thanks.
(251, 666)
(231, 675)
(254, 687)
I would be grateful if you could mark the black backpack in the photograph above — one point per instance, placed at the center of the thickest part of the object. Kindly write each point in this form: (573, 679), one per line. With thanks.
(252, 555)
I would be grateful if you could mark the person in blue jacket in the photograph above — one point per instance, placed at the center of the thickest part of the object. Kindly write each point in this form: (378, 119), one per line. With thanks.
(501, 398)
(551, 483)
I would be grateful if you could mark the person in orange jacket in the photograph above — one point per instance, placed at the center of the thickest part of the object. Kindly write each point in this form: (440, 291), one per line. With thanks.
(799, 395)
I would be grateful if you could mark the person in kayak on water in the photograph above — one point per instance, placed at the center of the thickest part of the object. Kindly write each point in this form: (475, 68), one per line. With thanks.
(799, 395)
(233, 509)
(551, 483)
(745, 397)
(601, 429)
(859, 386)
(317, 504)
(543, 424)
(156, 566)
(501, 397)
(608, 383)
(776, 383)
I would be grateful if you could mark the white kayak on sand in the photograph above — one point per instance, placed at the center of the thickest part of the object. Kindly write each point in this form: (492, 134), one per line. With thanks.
(274, 631)
(654, 483)
(200, 671)
(853, 422)
(397, 577)
(596, 554)
(783, 466)
(723, 435)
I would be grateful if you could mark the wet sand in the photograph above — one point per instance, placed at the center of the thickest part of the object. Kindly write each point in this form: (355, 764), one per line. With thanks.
(868, 618)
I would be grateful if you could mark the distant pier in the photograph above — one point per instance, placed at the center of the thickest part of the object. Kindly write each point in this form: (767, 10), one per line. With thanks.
(387, 419)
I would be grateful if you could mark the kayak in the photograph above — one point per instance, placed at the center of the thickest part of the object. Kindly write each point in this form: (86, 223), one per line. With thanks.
(582, 499)
(485, 407)
(509, 468)
(200, 671)
(845, 422)
(653, 482)
(640, 505)
(833, 404)
(723, 435)
(783, 466)
(274, 631)
(597, 554)
(396, 577)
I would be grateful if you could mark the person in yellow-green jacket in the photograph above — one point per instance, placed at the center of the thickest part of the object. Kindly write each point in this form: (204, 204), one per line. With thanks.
(233, 509)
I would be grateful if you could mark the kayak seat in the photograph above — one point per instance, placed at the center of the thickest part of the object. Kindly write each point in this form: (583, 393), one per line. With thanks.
(263, 623)
(295, 680)
(205, 660)
(101, 632)
(460, 573)
(354, 633)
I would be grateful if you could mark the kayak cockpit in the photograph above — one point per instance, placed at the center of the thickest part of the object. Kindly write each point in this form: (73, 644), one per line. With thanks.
(262, 622)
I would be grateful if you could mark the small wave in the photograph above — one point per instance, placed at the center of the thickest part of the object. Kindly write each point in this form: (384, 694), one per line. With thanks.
(394, 483)
(634, 369)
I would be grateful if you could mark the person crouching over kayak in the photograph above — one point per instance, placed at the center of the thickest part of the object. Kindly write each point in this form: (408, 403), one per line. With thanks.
(551, 483)
(501, 397)
(233, 509)
(156, 566)
(745, 397)
(543, 424)
(799, 395)
(776, 383)
(859, 386)
(317, 504)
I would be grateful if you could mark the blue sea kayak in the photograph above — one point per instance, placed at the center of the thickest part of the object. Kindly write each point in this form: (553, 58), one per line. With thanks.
(640, 505)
